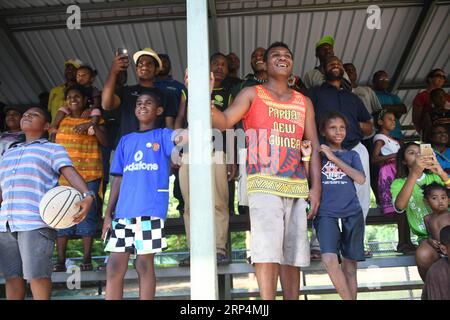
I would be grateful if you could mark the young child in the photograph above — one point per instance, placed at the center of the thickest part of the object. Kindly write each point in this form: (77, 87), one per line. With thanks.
(27, 172)
(84, 151)
(13, 134)
(139, 199)
(340, 221)
(384, 155)
(413, 172)
(437, 283)
(85, 78)
(437, 198)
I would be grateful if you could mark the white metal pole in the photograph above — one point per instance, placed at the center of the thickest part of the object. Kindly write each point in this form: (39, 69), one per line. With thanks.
(202, 230)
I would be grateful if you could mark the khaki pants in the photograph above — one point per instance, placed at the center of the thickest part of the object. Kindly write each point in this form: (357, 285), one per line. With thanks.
(221, 204)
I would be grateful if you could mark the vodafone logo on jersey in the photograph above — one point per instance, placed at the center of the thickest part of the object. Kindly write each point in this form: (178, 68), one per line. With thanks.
(138, 165)
(138, 156)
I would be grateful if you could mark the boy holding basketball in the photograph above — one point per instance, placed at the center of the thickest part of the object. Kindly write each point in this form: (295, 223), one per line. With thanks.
(139, 199)
(27, 172)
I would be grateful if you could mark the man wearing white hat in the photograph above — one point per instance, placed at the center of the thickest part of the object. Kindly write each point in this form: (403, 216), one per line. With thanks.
(56, 97)
(147, 65)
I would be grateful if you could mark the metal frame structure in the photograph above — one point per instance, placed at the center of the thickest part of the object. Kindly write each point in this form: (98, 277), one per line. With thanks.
(51, 17)
(196, 12)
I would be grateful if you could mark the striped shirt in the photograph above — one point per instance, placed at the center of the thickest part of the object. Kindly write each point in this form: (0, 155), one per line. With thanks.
(27, 172)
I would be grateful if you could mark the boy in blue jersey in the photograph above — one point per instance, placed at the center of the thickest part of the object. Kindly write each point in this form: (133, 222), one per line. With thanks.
(139, 199)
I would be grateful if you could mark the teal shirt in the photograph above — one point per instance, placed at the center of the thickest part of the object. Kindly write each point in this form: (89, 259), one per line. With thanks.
(389, 98)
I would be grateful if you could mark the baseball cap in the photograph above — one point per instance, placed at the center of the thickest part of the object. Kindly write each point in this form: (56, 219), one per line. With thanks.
(73, 61)
(147, 52)
(325, 40)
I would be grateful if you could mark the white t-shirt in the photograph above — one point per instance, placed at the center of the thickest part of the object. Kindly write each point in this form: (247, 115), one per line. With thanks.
(369, 98)
(390, 145)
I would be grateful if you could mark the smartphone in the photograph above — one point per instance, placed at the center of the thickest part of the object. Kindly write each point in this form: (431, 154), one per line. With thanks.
(426, 150)
(121, 51)
(123, 75)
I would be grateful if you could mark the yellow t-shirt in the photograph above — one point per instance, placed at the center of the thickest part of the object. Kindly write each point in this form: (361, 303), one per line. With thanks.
(56, 99)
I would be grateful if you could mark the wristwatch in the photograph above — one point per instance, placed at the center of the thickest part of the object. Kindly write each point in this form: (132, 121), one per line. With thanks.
(89, 193)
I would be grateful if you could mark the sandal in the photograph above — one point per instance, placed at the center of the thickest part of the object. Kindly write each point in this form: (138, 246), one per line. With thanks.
(368, 254)
(101, 267)
(186, 262)
(316, 255)
(86, 266)
(59, 267)
(406, 249)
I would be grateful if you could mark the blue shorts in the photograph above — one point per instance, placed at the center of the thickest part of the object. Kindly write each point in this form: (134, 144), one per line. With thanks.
(89, 226)
(348, 242)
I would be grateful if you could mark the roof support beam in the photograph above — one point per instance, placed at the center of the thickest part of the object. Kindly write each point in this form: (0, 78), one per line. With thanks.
(27, 67)
(201, 180)
(213, 25)
(413, 44)
(90, 7)
(58, 13)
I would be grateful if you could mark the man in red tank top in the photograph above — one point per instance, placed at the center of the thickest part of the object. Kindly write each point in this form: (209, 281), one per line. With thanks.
(276, 119)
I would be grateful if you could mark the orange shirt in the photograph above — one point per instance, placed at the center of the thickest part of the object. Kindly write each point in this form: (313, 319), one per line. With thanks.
(83, 149)
(274, 132)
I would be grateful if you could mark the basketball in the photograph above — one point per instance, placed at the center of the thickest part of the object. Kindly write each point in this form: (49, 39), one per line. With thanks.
(57, 207)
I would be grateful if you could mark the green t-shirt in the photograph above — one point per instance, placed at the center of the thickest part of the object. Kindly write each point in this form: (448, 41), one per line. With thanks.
(416, 209)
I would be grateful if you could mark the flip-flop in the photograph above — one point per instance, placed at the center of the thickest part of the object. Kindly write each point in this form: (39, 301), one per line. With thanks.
(86, 267)
(186, 262)
(315, 255)
(59, 267)
(406, 249)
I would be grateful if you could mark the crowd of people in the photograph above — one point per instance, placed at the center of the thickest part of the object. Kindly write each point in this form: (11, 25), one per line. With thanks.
(319, 145)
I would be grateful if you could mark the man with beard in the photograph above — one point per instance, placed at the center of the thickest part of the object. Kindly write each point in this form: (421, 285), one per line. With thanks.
(315, 77)
(277, 118)
(56, 98)
(224, 172)
(331, 96)
(147, 65)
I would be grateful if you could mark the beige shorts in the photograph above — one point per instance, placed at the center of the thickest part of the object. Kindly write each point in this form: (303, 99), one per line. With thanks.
(279, 231)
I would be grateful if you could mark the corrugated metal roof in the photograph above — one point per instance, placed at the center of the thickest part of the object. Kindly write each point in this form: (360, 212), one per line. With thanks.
(21, 4)
(369, 50)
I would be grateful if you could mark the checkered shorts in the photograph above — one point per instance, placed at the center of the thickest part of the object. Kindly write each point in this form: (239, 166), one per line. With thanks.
(141, 235)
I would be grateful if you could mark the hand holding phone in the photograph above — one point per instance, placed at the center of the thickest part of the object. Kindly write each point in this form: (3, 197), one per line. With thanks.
(426, 150)
(122, 52)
